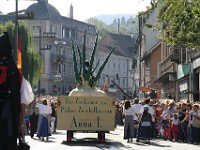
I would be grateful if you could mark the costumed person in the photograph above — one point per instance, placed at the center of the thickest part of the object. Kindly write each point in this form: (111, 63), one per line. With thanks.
(128, 113)
(44, 127)
(33, 112)
(145, 126)
(11, 110)
(150, 110)
(53, 118)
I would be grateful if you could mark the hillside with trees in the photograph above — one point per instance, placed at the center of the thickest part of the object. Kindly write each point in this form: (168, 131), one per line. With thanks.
(118, 25)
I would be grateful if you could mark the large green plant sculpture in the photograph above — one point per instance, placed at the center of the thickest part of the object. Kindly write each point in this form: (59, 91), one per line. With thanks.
(84, 75)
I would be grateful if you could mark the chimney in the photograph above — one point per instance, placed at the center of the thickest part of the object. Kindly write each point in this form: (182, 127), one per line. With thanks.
(71, 13)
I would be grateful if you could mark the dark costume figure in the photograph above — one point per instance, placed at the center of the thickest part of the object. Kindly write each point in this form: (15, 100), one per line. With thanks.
(145, 126)
(9, 96)
(33, 111)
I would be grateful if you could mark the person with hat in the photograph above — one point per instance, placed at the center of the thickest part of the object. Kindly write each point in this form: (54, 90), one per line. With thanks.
(11, 110)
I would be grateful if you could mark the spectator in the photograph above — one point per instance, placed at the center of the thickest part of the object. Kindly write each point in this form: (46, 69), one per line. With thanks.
(145, 126)
(128, 123)
(175, 127)
(196, 124)
(119, 119)
(137, 108)
(44, 127)
(166, 127)
(184, 123)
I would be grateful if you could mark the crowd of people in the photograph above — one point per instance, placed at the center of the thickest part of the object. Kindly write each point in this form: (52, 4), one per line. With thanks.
(170, 120)
(41, 117)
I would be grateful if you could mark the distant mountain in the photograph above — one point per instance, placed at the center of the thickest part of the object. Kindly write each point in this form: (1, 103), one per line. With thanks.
(108, 19)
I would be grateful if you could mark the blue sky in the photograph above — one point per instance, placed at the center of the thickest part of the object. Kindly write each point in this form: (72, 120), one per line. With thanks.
(83, 9)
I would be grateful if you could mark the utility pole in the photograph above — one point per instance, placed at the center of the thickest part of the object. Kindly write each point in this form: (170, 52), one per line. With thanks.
(16, 30)
(40, 44)
(140, 47)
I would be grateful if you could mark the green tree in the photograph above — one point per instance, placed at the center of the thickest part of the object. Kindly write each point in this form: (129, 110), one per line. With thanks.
(123, 21)
(102, 28)
(180, 22)
(31, 60)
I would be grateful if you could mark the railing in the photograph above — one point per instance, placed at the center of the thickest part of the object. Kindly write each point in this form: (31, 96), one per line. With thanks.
(166, 66)
(194, 53)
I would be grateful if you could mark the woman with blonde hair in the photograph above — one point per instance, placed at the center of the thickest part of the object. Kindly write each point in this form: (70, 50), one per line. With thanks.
(44, 127)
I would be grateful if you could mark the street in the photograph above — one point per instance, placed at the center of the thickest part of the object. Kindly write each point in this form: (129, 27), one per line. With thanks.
(114, 141)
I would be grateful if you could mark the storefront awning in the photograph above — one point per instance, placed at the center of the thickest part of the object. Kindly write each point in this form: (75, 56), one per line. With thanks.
(144, 89)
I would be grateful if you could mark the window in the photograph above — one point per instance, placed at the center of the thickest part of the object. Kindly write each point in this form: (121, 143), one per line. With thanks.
(87, 41)
(108, 65)
(81, 39)
(119, 67)
(124, 82)
(124, 67)
(70, 34)
(104, 79)
(114, 66)
(63, 33)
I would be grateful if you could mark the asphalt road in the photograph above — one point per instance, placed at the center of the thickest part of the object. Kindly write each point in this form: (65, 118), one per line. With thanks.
(114, 141)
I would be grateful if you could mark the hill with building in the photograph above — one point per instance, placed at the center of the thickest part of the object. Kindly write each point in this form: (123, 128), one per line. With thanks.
(108, 19)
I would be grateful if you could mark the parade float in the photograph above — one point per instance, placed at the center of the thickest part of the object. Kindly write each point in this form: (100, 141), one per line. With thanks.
(86, 109)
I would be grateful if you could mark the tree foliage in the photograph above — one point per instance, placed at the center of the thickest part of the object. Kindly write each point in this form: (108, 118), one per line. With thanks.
(31, 60)
(102, 28)
(126, 27)
(180, 21)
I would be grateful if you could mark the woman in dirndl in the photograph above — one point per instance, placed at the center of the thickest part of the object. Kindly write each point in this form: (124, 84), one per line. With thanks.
(44, 127)
(145, 125)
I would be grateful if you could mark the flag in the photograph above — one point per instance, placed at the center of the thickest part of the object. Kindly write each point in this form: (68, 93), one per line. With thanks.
(19, 52)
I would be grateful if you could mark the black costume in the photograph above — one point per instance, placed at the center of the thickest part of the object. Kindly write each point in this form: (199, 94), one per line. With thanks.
(9, 96)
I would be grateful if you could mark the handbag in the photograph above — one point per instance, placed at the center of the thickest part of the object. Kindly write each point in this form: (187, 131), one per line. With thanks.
(22, 146)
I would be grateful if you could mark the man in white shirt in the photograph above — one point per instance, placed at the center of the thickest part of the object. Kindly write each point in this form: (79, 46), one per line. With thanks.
(137, 108)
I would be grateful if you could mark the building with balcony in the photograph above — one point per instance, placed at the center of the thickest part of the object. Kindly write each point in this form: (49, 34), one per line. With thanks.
(172, 69)
(117, 76)
(52, 35)
(150, 55)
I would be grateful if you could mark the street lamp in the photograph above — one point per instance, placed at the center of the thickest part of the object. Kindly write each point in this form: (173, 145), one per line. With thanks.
(16, 27)
(59, 63)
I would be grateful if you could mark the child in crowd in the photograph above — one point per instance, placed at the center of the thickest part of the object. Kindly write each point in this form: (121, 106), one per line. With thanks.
(166, 127)
(175, 127)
